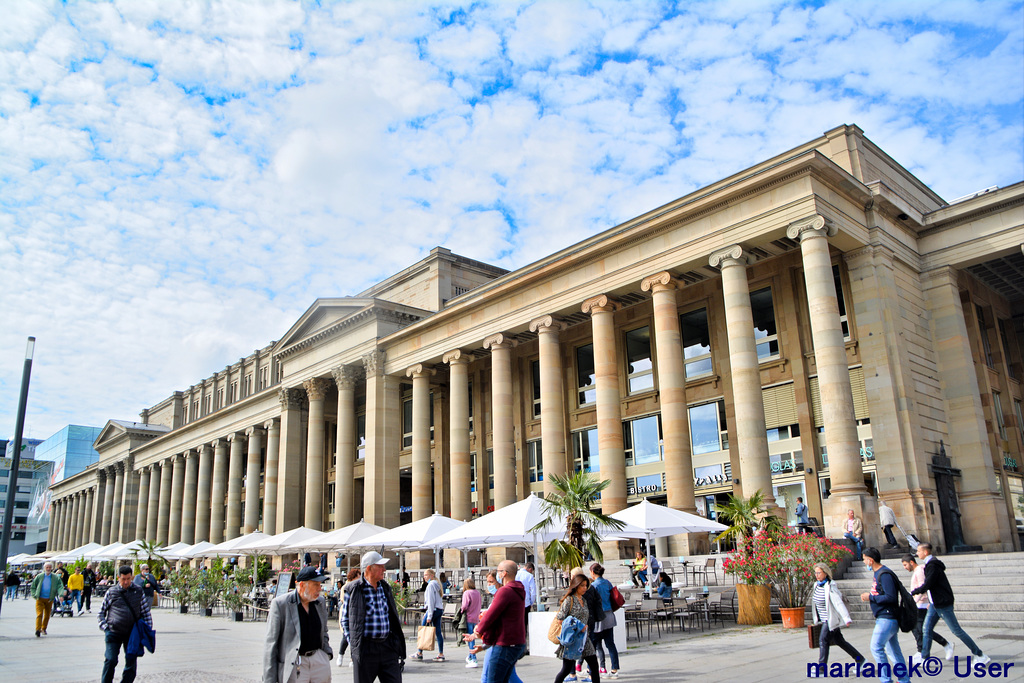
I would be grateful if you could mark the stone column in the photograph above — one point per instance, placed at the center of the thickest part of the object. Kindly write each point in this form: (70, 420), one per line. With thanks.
(236, 463)
(609, 410)
(188, 510)
(383, 442)
(422, 489)
(129, 501)
(503, 445)
(62, 532)
(316, 391)
(752, 440)
(51, 528)
(253, 466)
(273, 428)
(108, 506)
(458, 381)
(844, 461)
(345, 377)
(164, 511)
(552, 400)
(101, 491)
(87, 527)
(218, 490)
(290, 460)
(143, 514)
(76, 517)
(153, 507)
(69, 522)
(115, 511)
(675, 427)
(177, 499)
(203, 489)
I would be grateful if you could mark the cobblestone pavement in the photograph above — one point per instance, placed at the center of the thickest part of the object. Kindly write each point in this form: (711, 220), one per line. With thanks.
(199, 649)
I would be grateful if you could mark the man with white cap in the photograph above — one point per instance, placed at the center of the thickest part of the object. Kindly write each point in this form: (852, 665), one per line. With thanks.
(297, 648)
(369, 619)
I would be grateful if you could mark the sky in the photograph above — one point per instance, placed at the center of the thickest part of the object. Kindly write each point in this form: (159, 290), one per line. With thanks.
(179, 181)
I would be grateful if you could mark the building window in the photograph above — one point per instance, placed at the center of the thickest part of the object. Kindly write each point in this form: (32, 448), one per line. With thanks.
(407, 423)
(206, 404)
(472, 472)
(264, 377)
(696, 343)
(536, 461)
(470, 392)
(784, 432)
(248, 385)
(220, 398)
(195, 409)
(842, 303)
(639, 366)
(490, 468)
(586, 380)
(585, 453)
(535, 374)
(765, 332)
(361, 436)
(1019, 414)
(997, 408)
(708, 429)
(1004, 336)
(184, 414)
(986, 346)
(641, 439)
(233, 393)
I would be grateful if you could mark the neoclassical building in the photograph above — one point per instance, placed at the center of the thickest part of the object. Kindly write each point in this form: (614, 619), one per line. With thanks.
(820, 325)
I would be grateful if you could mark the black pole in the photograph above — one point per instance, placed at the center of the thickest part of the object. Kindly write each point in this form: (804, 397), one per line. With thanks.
(12, 480)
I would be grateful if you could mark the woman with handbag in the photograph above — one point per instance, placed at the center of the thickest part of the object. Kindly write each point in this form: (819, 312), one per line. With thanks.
(604, 631)
(471, 602)
(433, 609)
(574, 606)
(830, 611)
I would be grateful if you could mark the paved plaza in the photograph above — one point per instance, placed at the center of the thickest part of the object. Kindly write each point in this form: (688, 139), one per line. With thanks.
(194, 648)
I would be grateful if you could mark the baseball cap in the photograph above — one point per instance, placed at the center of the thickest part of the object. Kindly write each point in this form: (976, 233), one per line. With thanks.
(372, 558)
(312, 574)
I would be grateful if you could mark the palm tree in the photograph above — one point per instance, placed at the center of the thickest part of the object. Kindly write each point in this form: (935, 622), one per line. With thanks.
(747, 515)
(576, 493)
(147, 550)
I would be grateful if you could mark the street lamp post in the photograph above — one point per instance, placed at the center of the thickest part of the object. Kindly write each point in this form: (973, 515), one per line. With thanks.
(12, 481)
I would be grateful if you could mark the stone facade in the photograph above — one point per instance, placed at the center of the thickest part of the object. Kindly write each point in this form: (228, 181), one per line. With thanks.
(821, 324)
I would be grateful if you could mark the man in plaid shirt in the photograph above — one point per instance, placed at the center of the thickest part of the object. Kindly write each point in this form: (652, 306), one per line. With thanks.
(370, 621)
(121, 605)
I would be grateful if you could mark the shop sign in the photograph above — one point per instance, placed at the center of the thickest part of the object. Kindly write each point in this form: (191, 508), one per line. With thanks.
(712, 480)
(1008, 462)
(636, 490)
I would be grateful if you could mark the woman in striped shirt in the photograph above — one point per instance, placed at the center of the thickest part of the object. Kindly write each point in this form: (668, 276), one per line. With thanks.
(831, 612)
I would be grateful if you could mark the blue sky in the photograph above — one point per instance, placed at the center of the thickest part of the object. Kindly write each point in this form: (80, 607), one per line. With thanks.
(179, 181)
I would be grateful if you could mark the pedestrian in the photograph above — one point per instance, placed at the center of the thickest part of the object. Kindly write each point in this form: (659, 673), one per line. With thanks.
(940, 593)
(352, 575)
(46, 587)
(884, 598)
(916, 579)
(502, 626)
(575, 643)
(123, 605)
(89, 581)
(433, 608)
(887, 518)
(446, 585)
(471, 602)
(830, 610)
(595, 617)
(297, 645)
(370, 622)
(147, 582)
(492, 582)
(76, 584)
(604, 635)
(664, 586)
(803, 522)
(61, 570)
(639, 573)
(855, 532)
(11, 583)
(525, 576)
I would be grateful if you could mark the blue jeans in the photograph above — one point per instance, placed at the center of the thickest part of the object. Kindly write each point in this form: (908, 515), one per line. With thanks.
(607, 638)
(469, 629)
(115, 643)
(76, 595)
(954, 627)
(859, 542)
(11, 592)
(435, 621)
(501, 663)
(885, 648)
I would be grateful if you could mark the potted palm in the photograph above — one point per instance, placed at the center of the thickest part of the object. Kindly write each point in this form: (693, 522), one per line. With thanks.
(575, 494)
(234, 599)
(205, 592)
(751, 525)
(182, 583)
(146, 553)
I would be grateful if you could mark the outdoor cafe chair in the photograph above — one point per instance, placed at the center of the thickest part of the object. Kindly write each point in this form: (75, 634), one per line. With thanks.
(709, 567)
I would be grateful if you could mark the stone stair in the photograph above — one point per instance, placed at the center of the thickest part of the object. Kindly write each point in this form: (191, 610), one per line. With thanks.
(989, 588)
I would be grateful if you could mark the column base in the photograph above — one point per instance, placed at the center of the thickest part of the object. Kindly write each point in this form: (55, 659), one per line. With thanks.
(985, 523)
(684, 545)
(864, 506)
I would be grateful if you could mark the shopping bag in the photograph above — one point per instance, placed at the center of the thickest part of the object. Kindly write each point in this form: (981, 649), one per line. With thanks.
(425, 638)
(813, 635)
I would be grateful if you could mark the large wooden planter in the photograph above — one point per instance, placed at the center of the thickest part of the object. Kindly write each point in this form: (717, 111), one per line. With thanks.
(754, 605)
(792, 617)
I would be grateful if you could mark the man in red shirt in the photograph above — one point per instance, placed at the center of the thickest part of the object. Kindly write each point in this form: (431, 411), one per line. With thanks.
(503, 625)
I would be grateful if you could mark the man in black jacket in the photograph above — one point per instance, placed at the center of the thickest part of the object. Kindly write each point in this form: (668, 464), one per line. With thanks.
(941, 593)
(122, 605)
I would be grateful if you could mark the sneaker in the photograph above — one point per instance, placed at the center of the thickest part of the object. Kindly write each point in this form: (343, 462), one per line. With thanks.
(571, 678)
(472, 665)
(983, 659)
(341, 660)
(583, 678)
(418, 655)
(614, 673)
(603, 671)
(948, 647)
(37, 634)
(579, 668)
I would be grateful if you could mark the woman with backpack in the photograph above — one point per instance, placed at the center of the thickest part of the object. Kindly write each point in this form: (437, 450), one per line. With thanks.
(830, 610)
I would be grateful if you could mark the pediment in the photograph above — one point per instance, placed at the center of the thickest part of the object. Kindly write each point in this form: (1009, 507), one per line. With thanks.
(111, 432)
(323, 314)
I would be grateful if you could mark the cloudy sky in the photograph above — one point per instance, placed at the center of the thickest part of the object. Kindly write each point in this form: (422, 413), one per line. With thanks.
(180, 180)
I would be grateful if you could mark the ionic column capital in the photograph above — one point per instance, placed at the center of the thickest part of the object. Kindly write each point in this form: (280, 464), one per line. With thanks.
(546, 324)
(602, 303)
(234, 436)
(374, 363)
(498, 341)
(216, 442)
(189, 454)
(659, 282)
(730, 256)
(316, 388)
(455, 357)
(812, 226)
(272, 424)
(420, 370)
(254, 432)
(290, 398)
(346, 376)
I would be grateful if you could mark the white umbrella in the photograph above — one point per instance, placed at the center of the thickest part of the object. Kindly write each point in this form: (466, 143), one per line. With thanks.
(118, 551)
(659, 520)
(79, 552)
(231, 548)
(18, 559)
(173, 552)
(194, 551)
(279, 542)
(418, 534)
(339, 539)
(95, 554)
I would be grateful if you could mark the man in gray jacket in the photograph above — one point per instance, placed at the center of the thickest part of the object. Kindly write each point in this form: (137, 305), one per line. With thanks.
(297, 648)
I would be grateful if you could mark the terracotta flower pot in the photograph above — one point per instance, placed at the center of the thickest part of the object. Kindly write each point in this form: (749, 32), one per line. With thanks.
(754, 605)
(792, 617)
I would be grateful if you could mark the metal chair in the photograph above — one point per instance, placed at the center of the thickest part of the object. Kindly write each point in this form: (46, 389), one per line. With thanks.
(708, 568)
